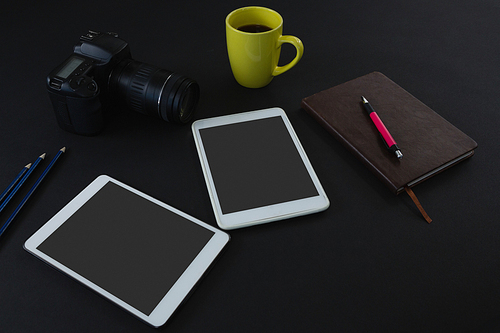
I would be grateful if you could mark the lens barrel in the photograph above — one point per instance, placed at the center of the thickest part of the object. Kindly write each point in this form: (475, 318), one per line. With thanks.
(154, 91)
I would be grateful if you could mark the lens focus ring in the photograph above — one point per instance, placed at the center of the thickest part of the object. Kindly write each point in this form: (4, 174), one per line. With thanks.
(137, 90)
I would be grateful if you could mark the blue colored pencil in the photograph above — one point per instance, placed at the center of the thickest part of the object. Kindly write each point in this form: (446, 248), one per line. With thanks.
(21, 182)
(33, 188)
(14, 182)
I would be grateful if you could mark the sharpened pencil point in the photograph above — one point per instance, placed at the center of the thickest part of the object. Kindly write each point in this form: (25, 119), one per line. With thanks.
(364, 100)
(28, 166)
(63, 149)
(33, 188)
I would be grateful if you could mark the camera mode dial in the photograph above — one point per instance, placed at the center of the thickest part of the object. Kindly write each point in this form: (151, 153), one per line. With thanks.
(89, 36)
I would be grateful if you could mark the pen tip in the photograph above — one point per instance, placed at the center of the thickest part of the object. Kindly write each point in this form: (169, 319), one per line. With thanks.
(63, 149)
(364, 100)
(43, 155)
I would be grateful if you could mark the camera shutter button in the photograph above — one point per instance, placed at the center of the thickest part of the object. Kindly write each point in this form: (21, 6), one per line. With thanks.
(92, 86)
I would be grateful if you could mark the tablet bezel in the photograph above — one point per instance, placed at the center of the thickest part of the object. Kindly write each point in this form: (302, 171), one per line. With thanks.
(177, 293)
(264, 214)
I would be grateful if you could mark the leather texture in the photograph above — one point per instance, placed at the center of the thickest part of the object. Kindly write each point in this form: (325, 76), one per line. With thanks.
(426, 139)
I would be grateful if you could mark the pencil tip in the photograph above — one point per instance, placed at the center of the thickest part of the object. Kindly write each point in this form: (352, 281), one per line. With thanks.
(43, 155)
(63, 149)
(364, 100)
(28, 166)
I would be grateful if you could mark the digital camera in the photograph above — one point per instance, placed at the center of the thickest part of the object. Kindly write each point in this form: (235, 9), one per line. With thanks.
(101, 71)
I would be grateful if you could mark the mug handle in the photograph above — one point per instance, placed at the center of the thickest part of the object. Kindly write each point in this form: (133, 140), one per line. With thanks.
(300, 51)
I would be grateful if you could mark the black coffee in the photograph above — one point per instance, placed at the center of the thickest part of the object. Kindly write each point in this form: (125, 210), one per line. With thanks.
(254, 28)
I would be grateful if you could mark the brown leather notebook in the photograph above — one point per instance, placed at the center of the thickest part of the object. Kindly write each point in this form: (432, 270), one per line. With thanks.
(429, 143)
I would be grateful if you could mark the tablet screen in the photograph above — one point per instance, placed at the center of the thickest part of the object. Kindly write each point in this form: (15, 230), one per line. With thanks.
(255, 163)
(128, 245)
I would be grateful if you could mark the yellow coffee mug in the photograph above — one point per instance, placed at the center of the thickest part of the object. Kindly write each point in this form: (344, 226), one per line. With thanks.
(254, 39)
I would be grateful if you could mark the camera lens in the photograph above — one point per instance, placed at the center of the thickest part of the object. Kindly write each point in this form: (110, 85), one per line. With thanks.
(154, 91)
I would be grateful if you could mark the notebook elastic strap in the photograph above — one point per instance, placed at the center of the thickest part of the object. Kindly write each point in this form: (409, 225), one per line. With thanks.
(418, 204)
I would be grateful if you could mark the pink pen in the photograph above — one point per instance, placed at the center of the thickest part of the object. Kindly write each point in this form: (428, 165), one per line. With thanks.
(386, 136)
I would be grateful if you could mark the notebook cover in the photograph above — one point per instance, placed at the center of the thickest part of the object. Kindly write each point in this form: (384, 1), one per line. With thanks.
(428, 142)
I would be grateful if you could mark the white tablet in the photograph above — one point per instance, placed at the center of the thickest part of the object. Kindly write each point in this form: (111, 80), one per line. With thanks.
(255, 169)
(134, 250)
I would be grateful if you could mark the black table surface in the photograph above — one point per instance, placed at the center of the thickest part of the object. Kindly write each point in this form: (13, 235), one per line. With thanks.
(369, 263)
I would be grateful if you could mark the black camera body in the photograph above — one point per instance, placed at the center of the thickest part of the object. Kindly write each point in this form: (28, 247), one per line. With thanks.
(101, 70)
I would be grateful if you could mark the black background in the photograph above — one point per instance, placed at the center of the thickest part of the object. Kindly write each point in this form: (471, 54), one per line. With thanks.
(368, 263)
